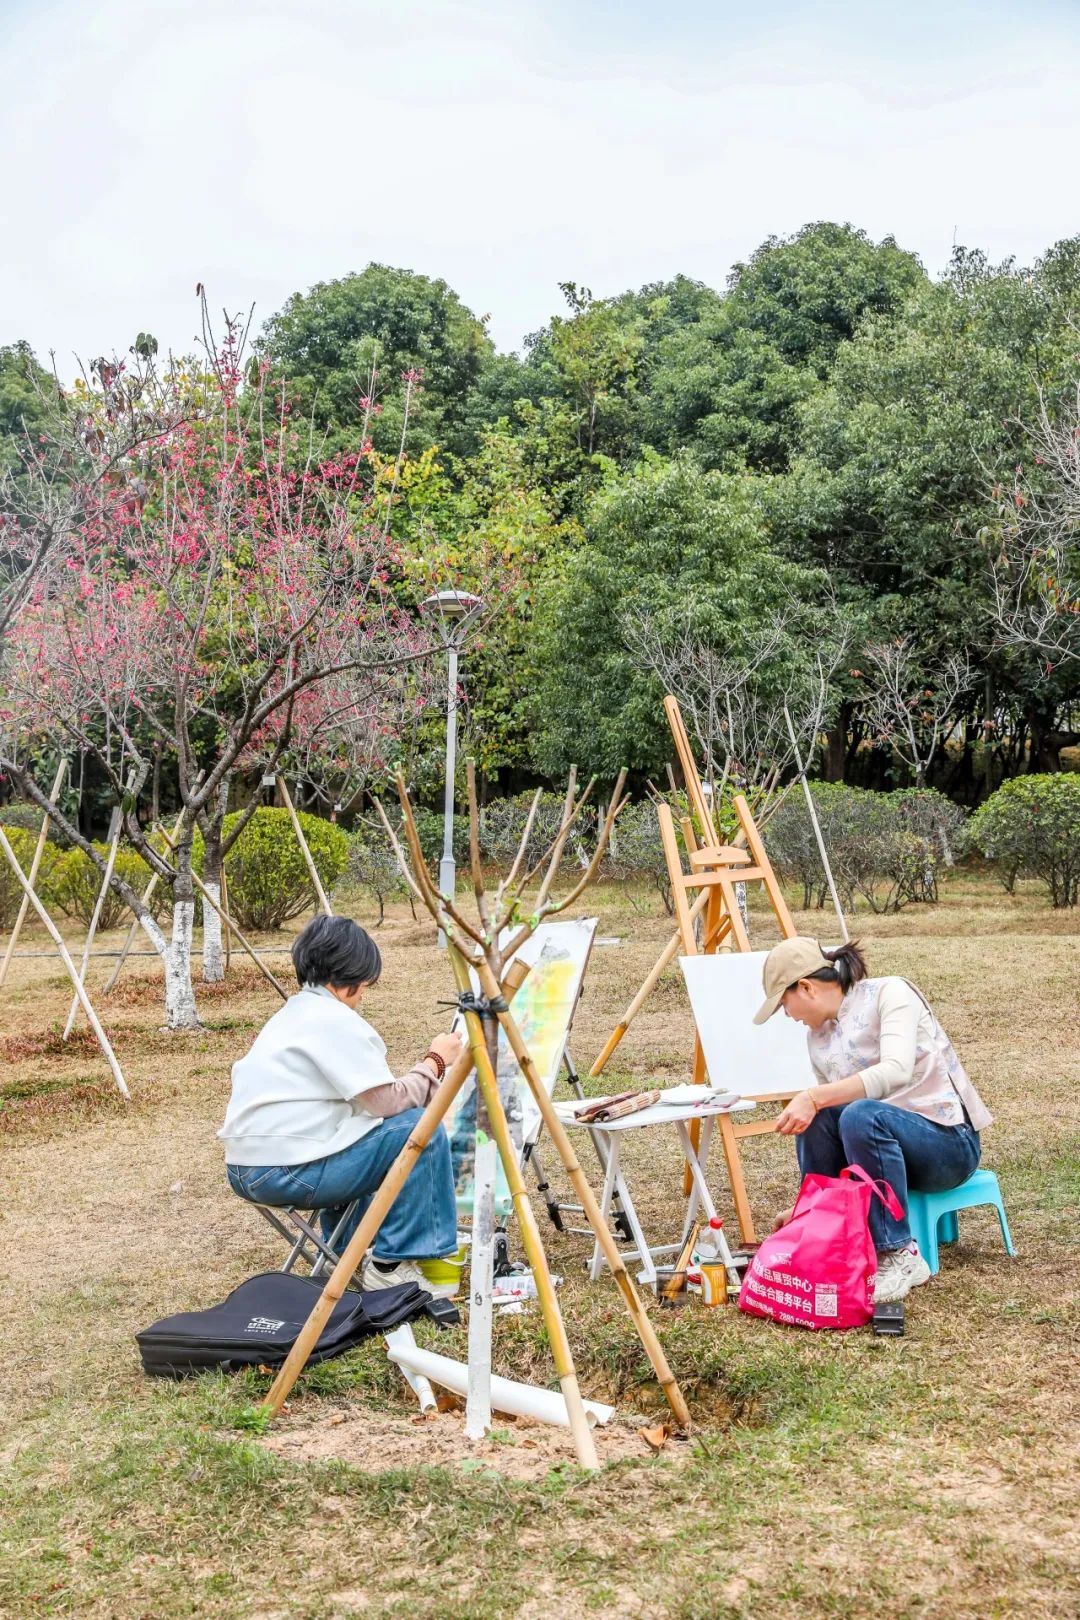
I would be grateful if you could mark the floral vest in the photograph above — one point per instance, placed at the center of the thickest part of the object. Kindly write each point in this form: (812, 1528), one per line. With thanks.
(939, 1087)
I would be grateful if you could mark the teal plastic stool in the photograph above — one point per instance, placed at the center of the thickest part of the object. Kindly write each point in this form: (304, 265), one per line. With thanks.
(933, 1214)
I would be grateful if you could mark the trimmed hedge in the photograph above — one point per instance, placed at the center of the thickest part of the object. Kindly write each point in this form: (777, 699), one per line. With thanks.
(1031, 828)
(266, 872)
(23, 843)
(74, 883)
(887, 848)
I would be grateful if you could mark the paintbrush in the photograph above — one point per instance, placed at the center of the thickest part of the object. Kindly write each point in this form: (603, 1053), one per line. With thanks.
(676, 1283)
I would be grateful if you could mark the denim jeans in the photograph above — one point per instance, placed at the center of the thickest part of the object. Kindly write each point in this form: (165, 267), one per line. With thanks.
(891, 1144)
(421, 1223)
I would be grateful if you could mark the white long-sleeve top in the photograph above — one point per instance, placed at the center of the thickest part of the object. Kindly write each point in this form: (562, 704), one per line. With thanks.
(315, 1081)
(887, 1034)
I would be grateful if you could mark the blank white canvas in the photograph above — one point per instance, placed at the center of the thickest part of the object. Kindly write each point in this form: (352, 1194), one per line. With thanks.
(752, 1059)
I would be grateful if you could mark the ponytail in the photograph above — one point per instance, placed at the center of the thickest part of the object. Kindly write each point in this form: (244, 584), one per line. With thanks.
(847, 966)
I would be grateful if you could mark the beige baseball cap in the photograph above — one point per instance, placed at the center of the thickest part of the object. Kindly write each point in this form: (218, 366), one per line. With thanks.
(787, 963)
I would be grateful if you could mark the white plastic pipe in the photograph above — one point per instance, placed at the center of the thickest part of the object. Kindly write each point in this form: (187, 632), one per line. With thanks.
(521, 1400)
(416, 1381)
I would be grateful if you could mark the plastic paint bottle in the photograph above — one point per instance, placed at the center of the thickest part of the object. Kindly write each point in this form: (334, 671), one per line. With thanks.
(711, 1262)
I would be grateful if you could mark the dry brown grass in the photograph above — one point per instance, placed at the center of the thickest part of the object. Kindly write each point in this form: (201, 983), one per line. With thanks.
(932, 1476)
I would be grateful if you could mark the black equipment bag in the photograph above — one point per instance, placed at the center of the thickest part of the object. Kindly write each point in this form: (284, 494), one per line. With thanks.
(256, 1325)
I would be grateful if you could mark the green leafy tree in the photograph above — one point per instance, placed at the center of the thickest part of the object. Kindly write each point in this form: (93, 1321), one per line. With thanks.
(729, 381)
(891, 488)
(665, 538)
(26, 391)
(329, 342)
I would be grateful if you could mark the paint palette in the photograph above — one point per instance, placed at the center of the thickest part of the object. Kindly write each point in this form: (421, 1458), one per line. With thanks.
(689, 1096)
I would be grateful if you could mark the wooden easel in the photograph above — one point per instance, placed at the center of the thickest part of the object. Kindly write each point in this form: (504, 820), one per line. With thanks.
(706, 897)
(715, 869)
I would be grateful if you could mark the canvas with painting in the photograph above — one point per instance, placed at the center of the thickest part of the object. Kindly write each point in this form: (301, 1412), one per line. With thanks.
(557, 954)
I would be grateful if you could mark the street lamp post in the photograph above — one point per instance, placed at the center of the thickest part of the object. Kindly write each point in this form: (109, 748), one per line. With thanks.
(456, 610)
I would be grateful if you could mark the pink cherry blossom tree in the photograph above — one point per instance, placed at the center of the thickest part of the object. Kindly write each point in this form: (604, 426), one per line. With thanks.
(219, 575)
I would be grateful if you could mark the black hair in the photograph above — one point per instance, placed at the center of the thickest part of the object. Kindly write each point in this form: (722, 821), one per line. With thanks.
(335, 950)
(847, 965)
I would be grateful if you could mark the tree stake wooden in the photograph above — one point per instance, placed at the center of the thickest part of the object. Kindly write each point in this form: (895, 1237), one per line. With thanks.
(24, 904)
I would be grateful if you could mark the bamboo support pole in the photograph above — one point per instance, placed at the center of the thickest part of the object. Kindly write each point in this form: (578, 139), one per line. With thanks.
(39, 850)
(225, 908)
(587, 1198)
(376, 1212)
(584, 1444)
(57, 939)
(114, 845)
(811, 810)
(304, 850)
(147, 896)
(664, 960)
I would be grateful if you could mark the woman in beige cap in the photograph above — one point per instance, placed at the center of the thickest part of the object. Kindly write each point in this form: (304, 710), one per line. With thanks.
(891, 1096)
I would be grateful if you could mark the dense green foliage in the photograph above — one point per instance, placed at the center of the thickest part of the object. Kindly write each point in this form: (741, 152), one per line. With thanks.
(1031, 828)
(267, 876)
(834, 418)
(829, 448)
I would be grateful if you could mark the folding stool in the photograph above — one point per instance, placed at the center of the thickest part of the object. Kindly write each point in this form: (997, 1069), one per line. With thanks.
(305, 1241)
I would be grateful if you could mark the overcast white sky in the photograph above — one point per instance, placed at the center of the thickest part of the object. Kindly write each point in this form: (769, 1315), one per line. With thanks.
(503, 146)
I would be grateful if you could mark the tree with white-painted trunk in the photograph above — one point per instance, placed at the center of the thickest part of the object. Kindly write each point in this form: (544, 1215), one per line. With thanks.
(215, 580)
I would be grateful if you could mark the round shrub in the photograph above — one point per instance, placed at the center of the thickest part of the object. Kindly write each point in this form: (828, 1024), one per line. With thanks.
(23, 844)
(373, 867)
(75, 883)
(792, 846)
(266, 872)
(1031, 826)
(19, 813)
(887, 848)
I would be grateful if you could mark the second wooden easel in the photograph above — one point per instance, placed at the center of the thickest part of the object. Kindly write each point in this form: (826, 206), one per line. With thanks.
(710, 919)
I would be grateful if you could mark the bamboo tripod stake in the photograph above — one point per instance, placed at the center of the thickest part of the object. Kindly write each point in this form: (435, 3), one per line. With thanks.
(584, 1445)
(114, 845)
(24, 905)
(492, 920)
(313, 870)
(609, 1248)
(58, 940)
(147, 896)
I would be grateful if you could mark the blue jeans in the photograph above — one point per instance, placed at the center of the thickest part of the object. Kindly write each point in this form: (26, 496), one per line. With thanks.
(891, 1144)
(421, 1223)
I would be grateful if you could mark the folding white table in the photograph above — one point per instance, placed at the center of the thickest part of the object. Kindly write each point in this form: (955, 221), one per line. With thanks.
(675, 1116)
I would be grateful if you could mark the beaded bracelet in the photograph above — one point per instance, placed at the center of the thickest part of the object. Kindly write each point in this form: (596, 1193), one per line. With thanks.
(440, 1063)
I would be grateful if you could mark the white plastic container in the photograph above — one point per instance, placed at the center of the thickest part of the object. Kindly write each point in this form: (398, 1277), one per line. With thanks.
(711, 1264)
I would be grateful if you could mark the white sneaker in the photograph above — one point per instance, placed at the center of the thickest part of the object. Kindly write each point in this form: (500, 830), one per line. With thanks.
(899, 1271)
(404, 1272)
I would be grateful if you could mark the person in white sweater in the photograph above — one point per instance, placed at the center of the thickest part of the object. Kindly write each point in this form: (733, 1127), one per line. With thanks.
(891, 1096)
(316, 1118)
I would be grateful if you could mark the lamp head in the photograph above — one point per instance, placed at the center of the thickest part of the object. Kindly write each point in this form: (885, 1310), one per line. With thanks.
(456, 611)
(452, 605)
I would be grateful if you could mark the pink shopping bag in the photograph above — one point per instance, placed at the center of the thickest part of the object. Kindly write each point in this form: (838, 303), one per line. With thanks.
(818, 1271)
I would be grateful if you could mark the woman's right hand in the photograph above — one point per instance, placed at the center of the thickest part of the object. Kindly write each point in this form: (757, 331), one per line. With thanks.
(782, 1220)
(448, 1048)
